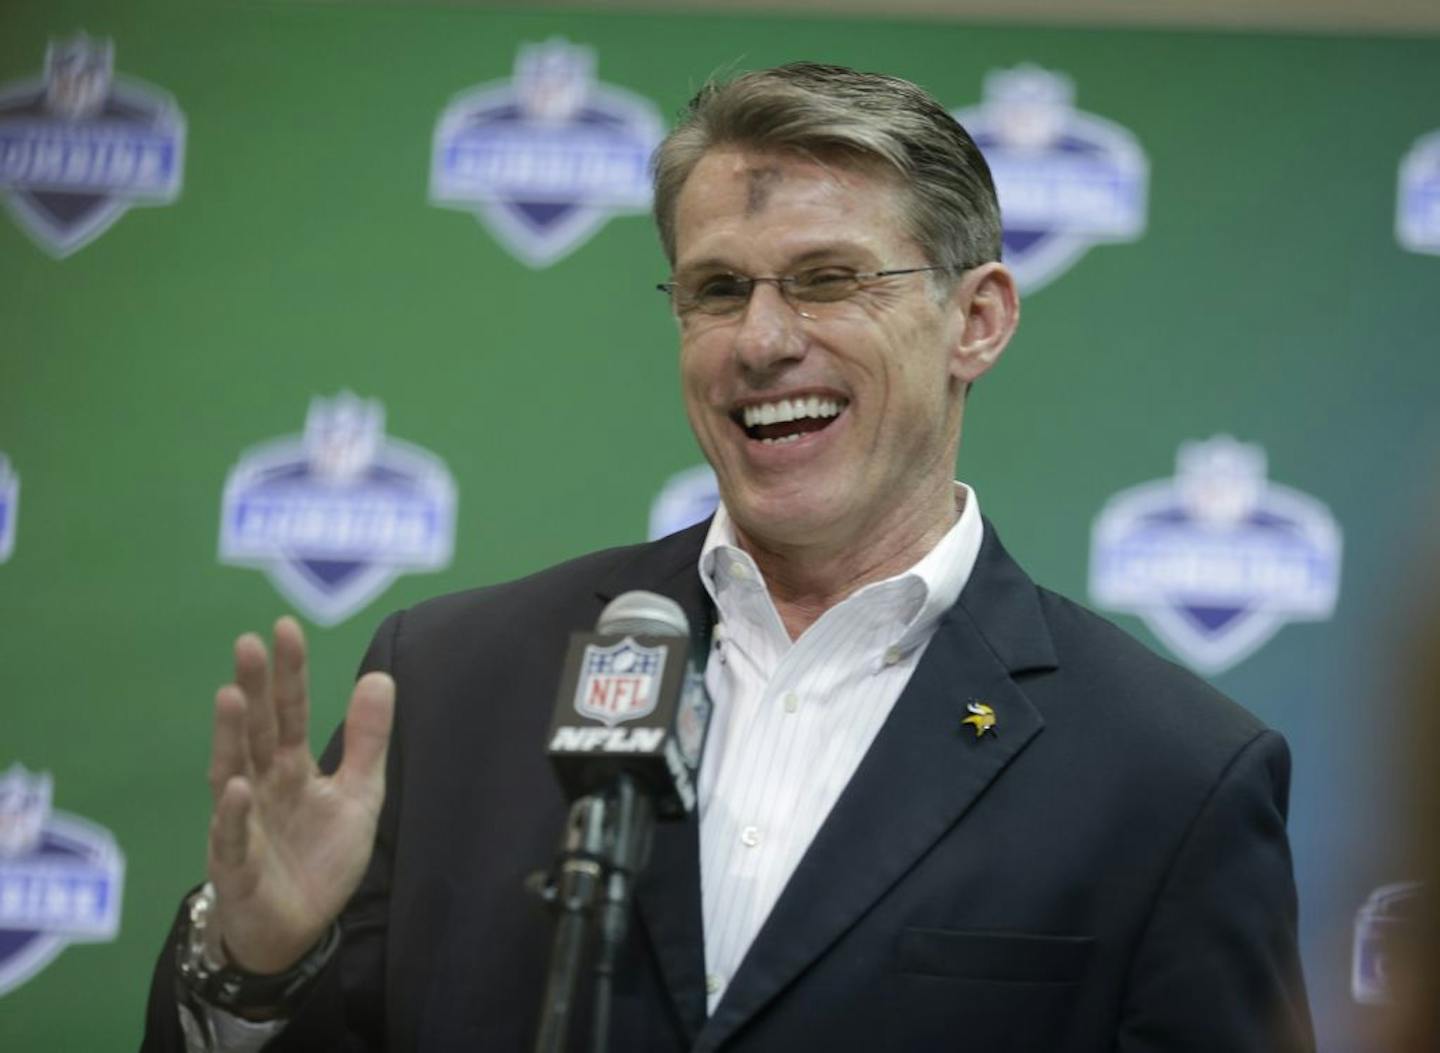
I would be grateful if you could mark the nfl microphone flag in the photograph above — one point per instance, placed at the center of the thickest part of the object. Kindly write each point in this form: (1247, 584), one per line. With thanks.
(631, 702)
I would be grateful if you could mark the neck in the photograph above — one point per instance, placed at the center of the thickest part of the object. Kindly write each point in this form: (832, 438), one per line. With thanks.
(806, 580)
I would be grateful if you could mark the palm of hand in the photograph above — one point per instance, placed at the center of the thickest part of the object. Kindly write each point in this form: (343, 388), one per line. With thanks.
(288, 845)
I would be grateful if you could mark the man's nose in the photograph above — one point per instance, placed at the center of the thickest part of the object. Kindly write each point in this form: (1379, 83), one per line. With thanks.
(771, 330)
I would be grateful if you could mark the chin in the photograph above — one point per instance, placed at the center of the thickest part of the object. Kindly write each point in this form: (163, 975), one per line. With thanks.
(783, 523)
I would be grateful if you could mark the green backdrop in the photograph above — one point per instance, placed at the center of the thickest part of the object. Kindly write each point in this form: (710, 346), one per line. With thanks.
(1268, 299)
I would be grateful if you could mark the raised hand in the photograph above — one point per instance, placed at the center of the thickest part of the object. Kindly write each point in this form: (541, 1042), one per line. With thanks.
(289, 845)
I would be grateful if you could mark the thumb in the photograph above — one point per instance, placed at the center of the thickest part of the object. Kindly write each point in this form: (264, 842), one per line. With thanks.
(367, 734)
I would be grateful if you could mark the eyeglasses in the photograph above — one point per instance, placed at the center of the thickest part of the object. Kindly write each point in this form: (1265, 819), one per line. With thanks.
(727, 294)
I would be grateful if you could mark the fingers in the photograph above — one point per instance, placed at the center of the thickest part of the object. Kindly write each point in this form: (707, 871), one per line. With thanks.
(252, 676)
(230, 828)
(229, 746)
(367, 735)
(292, 700)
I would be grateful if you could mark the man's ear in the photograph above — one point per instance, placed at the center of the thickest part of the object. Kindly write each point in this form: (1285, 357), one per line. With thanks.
(987, 311)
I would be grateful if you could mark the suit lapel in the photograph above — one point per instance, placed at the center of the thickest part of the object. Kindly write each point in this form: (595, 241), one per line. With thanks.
(921, 774)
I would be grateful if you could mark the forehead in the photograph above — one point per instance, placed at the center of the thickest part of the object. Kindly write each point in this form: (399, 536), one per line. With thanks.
(777, 206)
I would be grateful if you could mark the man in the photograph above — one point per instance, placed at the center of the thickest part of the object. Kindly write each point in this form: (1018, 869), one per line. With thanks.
(940, 808)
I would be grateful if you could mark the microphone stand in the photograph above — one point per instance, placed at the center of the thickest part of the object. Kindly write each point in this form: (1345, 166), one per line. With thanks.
(605, 844)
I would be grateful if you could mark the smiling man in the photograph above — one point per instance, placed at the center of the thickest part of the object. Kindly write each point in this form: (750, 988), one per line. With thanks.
(939, 808)
(827, 393)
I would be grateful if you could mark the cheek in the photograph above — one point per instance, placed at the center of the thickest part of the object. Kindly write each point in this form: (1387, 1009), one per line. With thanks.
(697, 388)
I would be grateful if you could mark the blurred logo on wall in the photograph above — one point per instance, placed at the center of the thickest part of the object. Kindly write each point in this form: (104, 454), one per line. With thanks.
(60, 878)
(81, 145)
(9, 507)
(545, 159)
(1389, 940)
(333, 517)
(1066, 180)
(1417, 214)
(1216, 560)
(684, 499)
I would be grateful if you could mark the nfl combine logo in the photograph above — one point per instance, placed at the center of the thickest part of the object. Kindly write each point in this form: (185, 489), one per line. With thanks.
(544, 160)
(1387, 929)
(1217, 559)
(9, 507)
(1066, 180)
(1417, 219)
(336, 516)
(60, 878)
(686, 497)
(81, 146)
(620, 682)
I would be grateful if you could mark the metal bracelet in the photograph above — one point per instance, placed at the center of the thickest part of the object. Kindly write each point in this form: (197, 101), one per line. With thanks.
(200, 976)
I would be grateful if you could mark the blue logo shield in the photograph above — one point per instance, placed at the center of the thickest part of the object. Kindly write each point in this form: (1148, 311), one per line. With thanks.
(9, 507)
(1390, 937)
(1216, 560)
(335, 516)
(80, 146)
(686, 497)
(545, 159)
(1417, 215)
(60, 878)
(1066, 180)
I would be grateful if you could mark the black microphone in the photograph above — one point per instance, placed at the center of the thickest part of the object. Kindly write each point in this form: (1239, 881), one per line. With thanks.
(625, 741)
(632, 700)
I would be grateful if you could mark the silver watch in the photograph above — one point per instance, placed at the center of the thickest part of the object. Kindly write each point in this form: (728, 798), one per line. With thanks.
(201, 978)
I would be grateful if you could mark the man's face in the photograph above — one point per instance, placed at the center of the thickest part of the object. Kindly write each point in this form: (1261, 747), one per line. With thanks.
(884, 358)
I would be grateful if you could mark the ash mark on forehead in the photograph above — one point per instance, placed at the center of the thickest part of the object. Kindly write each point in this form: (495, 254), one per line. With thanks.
(762, 182)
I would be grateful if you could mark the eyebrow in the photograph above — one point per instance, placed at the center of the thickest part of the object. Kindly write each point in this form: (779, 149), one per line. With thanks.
(810, 257)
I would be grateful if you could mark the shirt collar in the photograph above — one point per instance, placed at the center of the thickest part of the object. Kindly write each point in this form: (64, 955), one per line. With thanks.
(935, 581)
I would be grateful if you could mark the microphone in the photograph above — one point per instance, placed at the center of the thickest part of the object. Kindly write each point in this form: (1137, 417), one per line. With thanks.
(625, 741)
(632, 701)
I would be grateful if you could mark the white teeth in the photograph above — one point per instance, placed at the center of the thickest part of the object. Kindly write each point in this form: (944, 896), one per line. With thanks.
(783, 438)
(782, 410)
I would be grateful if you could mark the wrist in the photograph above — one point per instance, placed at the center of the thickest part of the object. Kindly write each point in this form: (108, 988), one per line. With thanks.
(205, 974)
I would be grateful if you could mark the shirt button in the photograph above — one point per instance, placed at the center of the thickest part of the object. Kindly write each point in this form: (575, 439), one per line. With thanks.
(739, 571)
(893, 655)
(713, 983)
(750, 836)
(791, 702)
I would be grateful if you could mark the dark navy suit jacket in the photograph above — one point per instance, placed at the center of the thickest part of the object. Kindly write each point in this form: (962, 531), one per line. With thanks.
(1108, 870)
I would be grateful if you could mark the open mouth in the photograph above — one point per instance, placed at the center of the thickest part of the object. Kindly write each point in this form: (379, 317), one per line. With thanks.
(786, 420)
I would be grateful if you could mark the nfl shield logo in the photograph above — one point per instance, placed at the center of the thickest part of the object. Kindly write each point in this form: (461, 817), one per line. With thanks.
(1217, 559)
(1417, 216)
(686, 497)
(1390, 924)
(336, 516)
(544, 160)
(80, 146)
(619, 682)
(1066, 180)
(9, 507)
(60, 878)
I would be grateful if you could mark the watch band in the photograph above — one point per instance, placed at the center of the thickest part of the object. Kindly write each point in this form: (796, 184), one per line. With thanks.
(201, 978)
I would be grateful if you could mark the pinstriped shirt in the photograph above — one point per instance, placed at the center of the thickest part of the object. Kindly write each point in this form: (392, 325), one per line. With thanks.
(792, 719)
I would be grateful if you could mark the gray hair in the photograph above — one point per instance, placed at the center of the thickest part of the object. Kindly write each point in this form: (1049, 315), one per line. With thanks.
(832, 112)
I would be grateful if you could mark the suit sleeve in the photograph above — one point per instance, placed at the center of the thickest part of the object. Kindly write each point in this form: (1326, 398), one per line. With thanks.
(344, 1011)
(1218, 966)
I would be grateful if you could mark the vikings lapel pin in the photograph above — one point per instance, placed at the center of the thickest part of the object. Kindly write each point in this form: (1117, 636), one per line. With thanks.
(981, 717)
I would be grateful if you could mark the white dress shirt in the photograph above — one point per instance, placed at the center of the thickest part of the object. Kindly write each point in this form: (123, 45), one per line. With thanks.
(792, 719)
